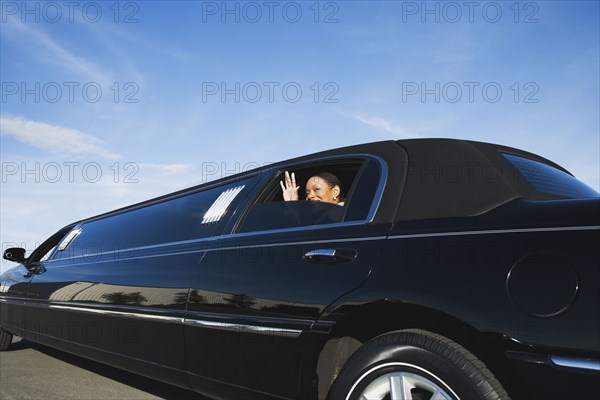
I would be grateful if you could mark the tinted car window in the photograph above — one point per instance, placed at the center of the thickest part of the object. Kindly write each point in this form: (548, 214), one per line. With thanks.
(188, 217)
(547, 179)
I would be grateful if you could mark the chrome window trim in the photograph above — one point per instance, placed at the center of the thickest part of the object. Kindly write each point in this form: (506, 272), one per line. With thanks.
(568, 362)
(370, 214)
(378, 192)
(68, 239)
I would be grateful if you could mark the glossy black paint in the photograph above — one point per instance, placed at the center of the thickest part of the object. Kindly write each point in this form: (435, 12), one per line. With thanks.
(263, 280)
(510, 273)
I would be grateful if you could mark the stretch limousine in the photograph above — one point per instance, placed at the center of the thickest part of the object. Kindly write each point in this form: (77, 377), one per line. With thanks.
(436, 269)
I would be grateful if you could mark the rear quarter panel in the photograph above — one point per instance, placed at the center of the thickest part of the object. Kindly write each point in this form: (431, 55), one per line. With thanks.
(460, 267)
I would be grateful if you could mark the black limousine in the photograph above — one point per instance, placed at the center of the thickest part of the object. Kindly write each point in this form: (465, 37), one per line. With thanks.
(452, 269)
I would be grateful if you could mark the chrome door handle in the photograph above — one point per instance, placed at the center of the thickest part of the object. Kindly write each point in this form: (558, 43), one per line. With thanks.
(330, 255)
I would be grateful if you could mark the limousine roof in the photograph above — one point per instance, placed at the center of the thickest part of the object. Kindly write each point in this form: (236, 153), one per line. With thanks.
(419, 184)
(435, 178)
(442, 178)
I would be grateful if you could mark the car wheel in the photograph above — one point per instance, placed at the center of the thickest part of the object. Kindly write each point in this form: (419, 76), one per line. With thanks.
(5, 340)
(415, 364)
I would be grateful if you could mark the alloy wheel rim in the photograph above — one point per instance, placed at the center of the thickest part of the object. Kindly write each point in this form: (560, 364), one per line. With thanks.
(404, 386)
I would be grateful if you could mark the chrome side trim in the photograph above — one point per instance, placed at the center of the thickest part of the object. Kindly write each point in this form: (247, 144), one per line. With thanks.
(592, 365)
(111, 312)
(496, 231)
(242, 328)
(13, 300)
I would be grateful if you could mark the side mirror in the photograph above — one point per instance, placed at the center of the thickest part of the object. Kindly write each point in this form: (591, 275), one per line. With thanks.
(16, 254)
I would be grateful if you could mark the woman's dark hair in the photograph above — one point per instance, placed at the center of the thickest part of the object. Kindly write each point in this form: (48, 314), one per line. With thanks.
(332, 181)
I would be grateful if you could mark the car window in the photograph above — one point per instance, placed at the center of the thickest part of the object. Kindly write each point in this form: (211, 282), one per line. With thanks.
(547, 179)
(46, 249)
(47, 255)
(192, 216)
(360, 180)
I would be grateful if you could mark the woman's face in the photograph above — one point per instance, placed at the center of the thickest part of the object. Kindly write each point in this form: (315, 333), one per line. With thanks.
(317, 189)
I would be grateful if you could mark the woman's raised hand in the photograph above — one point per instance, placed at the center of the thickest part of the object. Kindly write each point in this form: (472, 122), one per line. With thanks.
(290, 190)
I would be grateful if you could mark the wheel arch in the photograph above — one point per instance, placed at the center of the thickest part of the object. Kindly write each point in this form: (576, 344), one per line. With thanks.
(365, 323)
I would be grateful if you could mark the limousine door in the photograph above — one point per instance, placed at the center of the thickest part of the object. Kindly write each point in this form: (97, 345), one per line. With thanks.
(258, 292)
(116, 288)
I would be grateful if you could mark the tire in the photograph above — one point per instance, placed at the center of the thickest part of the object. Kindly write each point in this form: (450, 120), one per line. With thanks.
(5, 340)
(415, 364)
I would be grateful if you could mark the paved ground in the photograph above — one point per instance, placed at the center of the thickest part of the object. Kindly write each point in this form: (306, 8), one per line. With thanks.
(31, 371)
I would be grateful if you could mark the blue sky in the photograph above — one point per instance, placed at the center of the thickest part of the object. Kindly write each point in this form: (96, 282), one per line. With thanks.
(108, 103)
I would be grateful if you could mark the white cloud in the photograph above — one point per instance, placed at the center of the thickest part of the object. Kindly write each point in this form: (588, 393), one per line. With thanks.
(53, 138)
(166, 168)
(382, 123)
(48, 49)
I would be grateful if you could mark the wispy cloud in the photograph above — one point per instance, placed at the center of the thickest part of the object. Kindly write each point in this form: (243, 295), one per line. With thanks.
(48, 49)
(382, 123)
(166, 168)
(53, 138)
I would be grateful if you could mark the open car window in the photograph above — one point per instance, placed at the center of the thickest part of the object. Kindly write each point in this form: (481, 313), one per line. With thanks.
(360, 181)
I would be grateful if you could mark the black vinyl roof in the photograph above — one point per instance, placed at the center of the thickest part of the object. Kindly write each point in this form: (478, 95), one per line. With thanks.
(454, 178)
(443, 178)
